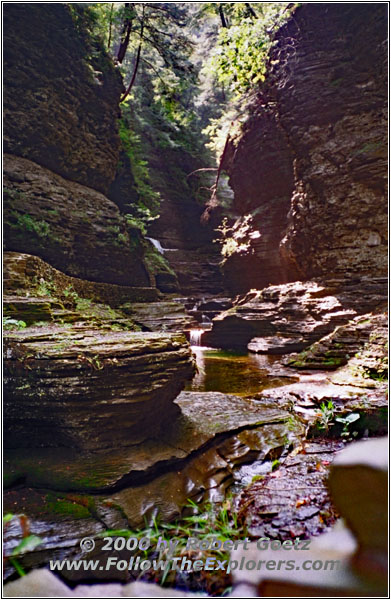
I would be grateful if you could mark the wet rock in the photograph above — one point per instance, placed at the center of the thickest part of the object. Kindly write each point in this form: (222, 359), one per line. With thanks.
(74, 228)
(274, 345)
(293, 501)
(195, 459)
(73, 389)
(65, 469)
(30, 310)
(198, 271)
(366, 335)
(295, 315)
(359, 473)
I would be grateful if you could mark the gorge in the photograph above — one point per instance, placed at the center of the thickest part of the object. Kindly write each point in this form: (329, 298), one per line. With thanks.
(182, 339)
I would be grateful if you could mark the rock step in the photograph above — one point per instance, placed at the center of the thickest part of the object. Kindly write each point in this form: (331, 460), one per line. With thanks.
(72, 388)
(25, 273)
(290, 317)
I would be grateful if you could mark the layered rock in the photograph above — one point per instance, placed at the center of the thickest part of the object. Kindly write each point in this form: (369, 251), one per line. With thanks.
(358, 489)
(61, 94)
(74, 228)
(159, 316)
(310, 163)
(288, 318)
(90, 389)
(26, 275)
(363, 340)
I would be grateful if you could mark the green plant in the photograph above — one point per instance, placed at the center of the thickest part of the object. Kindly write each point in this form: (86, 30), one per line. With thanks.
(26, 222)
(346, 422)
(207, 522)
(9, 323)
(46, 288)
(236, 238)
(326, 415)
(27, 544)
(69, 292)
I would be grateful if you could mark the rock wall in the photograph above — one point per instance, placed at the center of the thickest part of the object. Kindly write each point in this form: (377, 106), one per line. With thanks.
(61, 94)
(61, 109)
(74, 228)
(93, 390)
(310, 165)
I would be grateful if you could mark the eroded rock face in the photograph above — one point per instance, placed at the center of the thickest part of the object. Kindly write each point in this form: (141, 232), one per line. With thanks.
(287, 318)
(362, 341)
(310, 166)
(61, 94)
(24, 274)
(74, 228)
(89, 389)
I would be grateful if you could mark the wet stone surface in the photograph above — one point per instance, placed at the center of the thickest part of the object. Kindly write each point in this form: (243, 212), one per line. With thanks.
(293, 501)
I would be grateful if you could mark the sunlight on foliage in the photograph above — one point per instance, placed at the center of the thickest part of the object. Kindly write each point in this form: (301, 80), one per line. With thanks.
(236, 238)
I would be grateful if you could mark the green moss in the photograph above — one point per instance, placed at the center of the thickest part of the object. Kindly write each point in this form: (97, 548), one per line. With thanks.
(155, 262)
(64, 507)
(26, 222)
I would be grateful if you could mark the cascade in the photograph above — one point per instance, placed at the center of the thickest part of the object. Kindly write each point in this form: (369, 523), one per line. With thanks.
(157, 245)
(195, 337)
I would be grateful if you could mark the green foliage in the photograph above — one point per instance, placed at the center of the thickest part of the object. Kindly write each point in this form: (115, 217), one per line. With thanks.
(64, 507)
(9, 323)
(346, 422)
(236, 238)
(203, 523)
(27, 544)
(148, 202)
(326, 415)
(26, 222)
(242, 50)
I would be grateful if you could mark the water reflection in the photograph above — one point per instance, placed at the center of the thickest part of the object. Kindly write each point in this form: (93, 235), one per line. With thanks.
(233, 372)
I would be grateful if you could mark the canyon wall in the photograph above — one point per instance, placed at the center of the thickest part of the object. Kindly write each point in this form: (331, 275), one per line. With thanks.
(61, 94)
(61, 106)
(310, 163)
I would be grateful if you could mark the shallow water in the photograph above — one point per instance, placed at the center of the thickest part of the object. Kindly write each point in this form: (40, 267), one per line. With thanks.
(232, 372)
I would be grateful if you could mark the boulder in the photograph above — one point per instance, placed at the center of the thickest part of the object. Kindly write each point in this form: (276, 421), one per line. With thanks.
(359, 487)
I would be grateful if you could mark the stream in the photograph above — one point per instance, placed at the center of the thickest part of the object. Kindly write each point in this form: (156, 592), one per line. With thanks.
(230, 372)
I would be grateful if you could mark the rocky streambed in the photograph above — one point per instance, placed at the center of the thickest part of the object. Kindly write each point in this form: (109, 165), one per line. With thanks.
(109, 425)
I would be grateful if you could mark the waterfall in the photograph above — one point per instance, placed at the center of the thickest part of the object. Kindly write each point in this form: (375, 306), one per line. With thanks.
(157, 245)
(195, 337)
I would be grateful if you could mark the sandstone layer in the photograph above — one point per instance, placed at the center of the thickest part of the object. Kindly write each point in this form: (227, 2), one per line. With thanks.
(90, 389)
(74, 228)
(61, 94)
(288, 318)
(310, 163)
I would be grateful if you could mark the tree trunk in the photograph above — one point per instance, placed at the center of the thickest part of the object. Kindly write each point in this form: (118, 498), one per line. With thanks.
(136, 64)
(125, 35)
(110, 26)
(222, 16)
